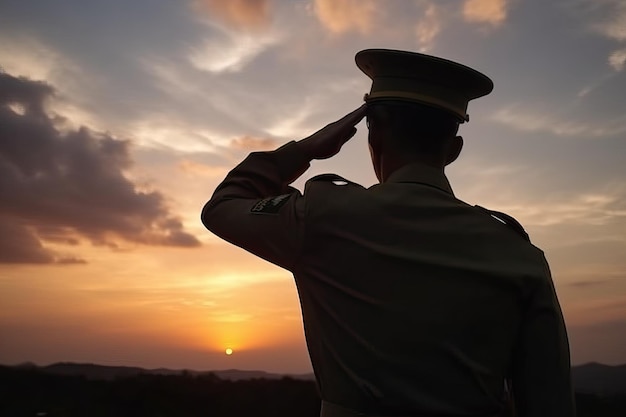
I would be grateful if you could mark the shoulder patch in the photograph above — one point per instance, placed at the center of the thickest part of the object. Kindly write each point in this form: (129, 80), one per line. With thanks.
(507, 220)
(270, 205)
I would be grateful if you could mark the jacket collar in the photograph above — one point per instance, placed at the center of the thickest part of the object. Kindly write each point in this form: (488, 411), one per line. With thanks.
(421, 174)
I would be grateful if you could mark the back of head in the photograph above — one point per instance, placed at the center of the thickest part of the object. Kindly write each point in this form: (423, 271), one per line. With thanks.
(411, 128)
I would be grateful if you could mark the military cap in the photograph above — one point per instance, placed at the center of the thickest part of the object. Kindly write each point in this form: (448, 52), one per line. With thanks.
(429, 80)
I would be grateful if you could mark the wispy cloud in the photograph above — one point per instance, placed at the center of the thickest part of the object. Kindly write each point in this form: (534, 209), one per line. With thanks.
(613, 24)
(293, 125)
(239, 14)
(231, 52)
(428, 26)
(609, 20)
(172, 134)
(617, 59)
(524, 119)
(594, 282)
(251, 143)
(195, 169)
(490, 12)
(30, 57)
(343, 16)
(595, 209)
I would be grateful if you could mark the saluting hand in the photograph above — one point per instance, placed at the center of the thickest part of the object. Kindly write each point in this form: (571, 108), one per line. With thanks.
(328, 141)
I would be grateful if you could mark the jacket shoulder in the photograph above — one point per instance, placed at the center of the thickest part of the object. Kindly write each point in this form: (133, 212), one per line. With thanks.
(507, 220)
(332, 179)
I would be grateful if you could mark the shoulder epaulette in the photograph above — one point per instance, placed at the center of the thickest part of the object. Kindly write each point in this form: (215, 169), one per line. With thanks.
(334, 178)
(507, 220)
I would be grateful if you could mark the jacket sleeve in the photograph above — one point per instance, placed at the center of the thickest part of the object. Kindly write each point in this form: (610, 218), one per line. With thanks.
(542, 384)
(255, 209)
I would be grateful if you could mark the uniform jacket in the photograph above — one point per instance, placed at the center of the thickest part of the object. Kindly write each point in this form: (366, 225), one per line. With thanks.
(412, 300)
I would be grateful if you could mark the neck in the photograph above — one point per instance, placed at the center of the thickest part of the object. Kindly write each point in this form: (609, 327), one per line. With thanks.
(388, 165)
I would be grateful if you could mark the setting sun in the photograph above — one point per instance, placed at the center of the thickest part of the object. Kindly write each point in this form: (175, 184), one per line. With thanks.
(229, 351)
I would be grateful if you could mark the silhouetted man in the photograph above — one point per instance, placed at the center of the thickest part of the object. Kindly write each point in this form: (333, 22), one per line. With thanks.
(414, 302)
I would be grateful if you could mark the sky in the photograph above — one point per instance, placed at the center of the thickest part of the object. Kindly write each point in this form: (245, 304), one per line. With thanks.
(118, 119)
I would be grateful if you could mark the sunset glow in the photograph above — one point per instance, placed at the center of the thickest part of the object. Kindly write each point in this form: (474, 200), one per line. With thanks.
(117, 123)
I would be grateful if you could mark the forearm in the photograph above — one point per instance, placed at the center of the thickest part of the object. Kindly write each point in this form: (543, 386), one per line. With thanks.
(265, 174)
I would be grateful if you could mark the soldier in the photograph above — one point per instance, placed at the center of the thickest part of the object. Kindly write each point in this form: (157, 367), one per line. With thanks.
(414, 303)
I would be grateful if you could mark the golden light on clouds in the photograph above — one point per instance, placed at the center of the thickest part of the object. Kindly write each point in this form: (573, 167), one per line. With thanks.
(251, 143)
(492, 12)
(342, 16)
(614, 25)
(231, 55)
(35, 59)
(241, 14)
(542, 119)
(84, 272)
(428, 27)
(194, 169)
(617, 60)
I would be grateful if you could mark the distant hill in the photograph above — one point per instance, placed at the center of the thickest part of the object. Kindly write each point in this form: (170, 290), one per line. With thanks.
(596, 378)
(103, 372)
(593, 378)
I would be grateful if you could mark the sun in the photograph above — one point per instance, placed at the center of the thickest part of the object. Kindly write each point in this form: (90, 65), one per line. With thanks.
(229, 351)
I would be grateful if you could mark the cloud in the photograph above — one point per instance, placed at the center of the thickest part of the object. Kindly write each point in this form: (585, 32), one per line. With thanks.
(18, 244)
(610, 21)
(32, 58)
(250, 143)
(61, 186)
(492, 12)
(194, 169)
(428, 27)
(293, 125)
(617, 59)
(240, 14)
(343, 16)
(613, 26)
(593, 282)
(536, 120)
(595, 209)
(230, 52)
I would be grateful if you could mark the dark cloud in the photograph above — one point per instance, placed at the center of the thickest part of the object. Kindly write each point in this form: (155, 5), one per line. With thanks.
(61, 186)
(18, 244)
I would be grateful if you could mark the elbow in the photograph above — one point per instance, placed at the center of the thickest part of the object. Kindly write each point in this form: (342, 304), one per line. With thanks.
(207, 216)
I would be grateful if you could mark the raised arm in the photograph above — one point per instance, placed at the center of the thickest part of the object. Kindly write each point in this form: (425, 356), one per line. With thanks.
(256, 209)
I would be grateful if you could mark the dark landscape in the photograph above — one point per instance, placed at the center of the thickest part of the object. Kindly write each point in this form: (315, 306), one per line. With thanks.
(69, 389)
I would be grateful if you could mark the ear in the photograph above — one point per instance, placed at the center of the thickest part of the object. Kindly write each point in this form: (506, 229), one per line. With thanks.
(456, 145)
(374, 142)
(375, 148)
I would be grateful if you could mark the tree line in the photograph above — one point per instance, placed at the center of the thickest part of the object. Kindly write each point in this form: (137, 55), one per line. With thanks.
(32, 392)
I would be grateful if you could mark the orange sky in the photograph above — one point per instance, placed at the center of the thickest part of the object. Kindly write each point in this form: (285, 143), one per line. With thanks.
(102, 255)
